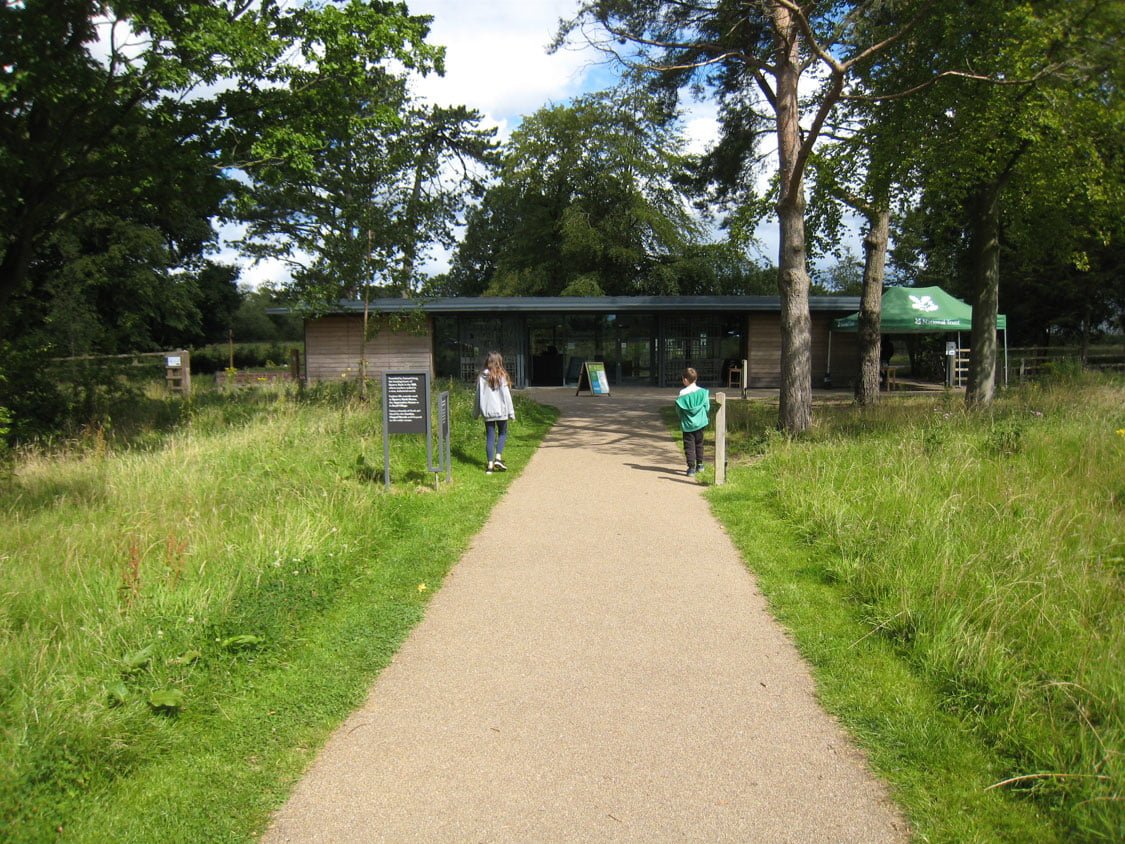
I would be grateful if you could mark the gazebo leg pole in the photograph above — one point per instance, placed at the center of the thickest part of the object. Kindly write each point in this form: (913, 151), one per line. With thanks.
(828, 363)
(1005, 357)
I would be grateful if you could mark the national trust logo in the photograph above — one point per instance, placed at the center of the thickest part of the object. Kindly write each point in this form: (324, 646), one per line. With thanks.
(923, 303)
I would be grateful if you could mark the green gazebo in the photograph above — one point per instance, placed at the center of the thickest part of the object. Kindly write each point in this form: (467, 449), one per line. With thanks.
(921, 310)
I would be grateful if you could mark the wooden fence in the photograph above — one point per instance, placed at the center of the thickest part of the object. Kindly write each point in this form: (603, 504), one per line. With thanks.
(1033, 362)
(177, 366)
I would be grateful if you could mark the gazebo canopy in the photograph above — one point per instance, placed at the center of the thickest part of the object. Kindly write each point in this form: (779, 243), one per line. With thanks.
(919, 310)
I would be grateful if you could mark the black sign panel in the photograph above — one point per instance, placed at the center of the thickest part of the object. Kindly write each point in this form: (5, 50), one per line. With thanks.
(406, 407)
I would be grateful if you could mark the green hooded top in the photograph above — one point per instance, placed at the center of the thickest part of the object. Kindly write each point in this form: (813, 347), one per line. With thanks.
(693, 409)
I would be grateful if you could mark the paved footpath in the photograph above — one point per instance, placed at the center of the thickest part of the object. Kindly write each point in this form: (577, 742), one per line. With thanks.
(599, 666)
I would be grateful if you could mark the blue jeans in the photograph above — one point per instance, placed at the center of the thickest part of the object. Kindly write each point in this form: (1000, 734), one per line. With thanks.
(496, 434)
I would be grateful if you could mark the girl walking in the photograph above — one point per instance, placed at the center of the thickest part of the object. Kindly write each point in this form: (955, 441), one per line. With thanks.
(494, 403)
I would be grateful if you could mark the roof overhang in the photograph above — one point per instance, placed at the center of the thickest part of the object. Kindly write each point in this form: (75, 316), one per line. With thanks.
(584, 304)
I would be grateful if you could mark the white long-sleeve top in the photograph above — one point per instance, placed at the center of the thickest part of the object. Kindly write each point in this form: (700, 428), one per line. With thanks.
(493, 404)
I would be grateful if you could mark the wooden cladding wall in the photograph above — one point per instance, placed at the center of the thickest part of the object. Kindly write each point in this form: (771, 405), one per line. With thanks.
(764, 349)
(333, 344)
(845, 358)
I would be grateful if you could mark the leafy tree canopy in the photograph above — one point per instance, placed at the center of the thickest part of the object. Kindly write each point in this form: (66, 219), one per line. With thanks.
(123, 125)
(392, 182)
(590, 199)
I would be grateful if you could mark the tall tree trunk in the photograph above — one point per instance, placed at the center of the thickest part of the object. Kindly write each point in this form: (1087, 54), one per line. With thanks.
(984, 251)
(795, 405)
(1085, 351)
(410, 247)
(871, 303)
(363, 342)
(14, 267)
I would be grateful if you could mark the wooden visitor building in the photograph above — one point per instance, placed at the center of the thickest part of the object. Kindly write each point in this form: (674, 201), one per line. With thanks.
(642, 340)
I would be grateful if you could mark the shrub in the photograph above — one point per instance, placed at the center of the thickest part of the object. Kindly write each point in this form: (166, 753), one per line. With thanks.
(208, 360)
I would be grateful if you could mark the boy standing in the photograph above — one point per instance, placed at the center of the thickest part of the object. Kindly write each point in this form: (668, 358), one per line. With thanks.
(693, 404)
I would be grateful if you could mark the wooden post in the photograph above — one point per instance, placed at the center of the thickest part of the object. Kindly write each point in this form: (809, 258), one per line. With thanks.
(185, 377)
(721, 440)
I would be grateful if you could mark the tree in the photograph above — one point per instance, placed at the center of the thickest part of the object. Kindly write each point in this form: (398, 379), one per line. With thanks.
(350, 218)
(451, 153)
(723, 269)
(1064, 269)
(585, 203)
(218, 300)
(125, 125)
(843, 278)
(1040, 130)
(752, 56)
(858, 171)
(252, 323)
(390, 181)
(140, 111)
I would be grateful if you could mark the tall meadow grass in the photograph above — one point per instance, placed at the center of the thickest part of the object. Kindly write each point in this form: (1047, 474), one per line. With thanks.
(141, 588)
(989, 548)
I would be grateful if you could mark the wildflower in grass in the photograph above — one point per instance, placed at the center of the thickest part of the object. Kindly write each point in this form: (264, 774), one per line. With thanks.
(1121, 432)
(421, 587)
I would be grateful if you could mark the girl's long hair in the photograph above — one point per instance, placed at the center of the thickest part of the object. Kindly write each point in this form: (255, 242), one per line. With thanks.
(497, 374)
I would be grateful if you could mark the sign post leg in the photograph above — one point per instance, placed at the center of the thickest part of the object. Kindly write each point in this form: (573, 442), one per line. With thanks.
(721, 440)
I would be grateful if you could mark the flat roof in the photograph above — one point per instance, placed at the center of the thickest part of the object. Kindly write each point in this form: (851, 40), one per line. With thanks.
(585, 304)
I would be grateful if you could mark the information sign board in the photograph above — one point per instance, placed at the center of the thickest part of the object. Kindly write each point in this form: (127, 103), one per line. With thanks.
(593, 378)
(444, 452)
(406, 410)
(406, 403)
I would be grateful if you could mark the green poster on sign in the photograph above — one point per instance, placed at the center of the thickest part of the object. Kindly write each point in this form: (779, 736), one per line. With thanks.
(593, 378)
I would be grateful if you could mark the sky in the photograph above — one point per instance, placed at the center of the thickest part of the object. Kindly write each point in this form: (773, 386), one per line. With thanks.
(497, 60)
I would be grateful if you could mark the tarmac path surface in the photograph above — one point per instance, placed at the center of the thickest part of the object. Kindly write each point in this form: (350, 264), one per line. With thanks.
(599, 666)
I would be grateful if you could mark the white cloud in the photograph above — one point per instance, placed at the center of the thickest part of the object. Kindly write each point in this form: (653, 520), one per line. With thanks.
(264, 272)
(497, 59)
(701, 126)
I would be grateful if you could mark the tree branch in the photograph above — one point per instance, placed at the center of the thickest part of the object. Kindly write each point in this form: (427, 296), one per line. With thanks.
(957, 74)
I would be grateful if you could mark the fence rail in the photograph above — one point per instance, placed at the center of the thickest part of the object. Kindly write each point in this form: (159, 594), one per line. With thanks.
(1033, 362)
(177, 365)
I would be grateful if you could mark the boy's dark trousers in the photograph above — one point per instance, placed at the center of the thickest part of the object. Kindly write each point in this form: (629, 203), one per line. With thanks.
(693, 448)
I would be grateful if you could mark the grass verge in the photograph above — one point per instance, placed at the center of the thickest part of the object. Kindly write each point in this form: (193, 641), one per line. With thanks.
(182, 624)
(956, 581)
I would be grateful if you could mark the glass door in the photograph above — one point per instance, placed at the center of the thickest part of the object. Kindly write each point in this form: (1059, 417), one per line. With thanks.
(709, 343)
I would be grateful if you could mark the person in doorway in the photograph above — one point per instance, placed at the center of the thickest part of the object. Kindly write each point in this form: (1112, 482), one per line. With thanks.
(693, 405)
(494, 405)
(886, 352)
